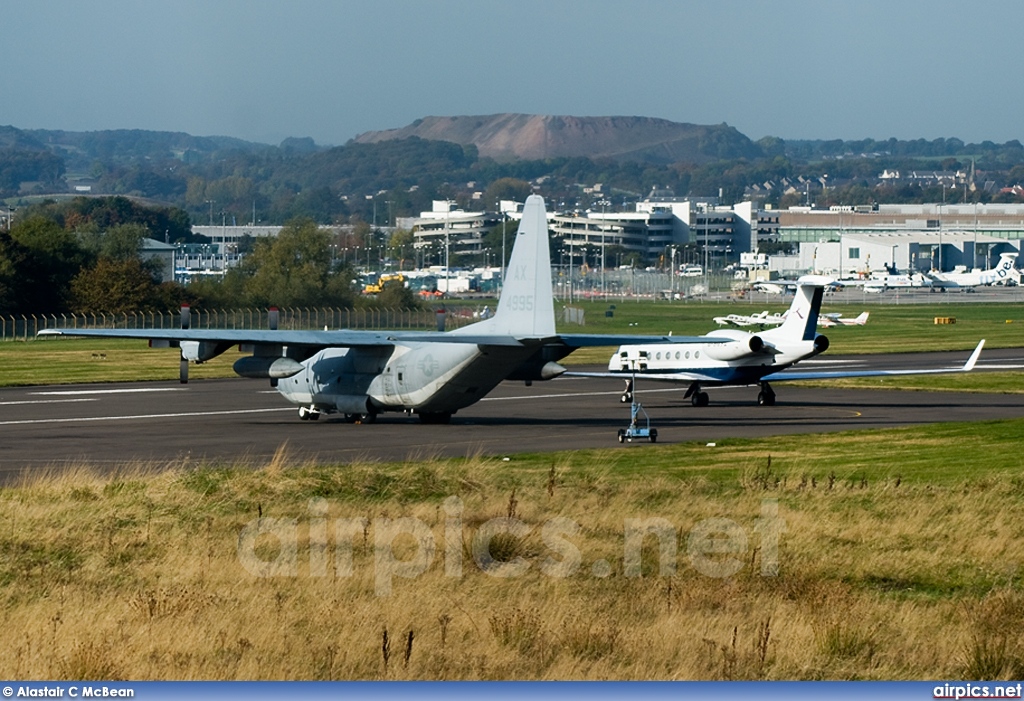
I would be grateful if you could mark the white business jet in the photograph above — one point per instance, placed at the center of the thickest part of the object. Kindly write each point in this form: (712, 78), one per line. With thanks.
(732, 357)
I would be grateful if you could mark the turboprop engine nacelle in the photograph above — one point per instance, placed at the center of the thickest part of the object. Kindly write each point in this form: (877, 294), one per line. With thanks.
(201, 351)
(537, 371)
(734, 350)
(261, 367)
(353, 403)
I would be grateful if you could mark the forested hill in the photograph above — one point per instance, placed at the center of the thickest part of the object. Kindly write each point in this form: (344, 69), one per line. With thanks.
(82, 149)
(382, 176)
(538, 137)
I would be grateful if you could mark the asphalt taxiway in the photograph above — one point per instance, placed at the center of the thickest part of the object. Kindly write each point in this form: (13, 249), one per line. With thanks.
(245, 421)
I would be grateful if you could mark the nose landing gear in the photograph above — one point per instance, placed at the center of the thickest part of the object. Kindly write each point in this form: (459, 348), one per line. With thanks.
(309, 413)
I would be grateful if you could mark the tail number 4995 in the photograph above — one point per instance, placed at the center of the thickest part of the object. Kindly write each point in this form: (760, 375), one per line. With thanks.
(521, 303)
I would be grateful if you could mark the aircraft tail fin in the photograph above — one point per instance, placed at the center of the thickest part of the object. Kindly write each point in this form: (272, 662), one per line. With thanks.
(1007, 261)
(801, 322)
(526, 306)
(861, 319)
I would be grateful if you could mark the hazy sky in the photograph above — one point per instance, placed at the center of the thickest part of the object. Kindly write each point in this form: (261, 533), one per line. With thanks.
(264, 70)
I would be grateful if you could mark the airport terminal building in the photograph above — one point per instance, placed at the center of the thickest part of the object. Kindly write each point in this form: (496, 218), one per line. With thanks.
(848, 240)
(669, 231)
(911, 237)
(714, 235)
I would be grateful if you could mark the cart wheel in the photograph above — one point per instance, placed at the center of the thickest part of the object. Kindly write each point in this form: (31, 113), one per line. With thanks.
(654, 435)
(622, 435)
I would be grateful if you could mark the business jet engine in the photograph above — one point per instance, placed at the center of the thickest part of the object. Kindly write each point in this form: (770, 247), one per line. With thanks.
(742, 346)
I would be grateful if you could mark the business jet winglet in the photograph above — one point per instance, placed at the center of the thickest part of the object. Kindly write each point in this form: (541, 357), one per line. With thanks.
(360, 374)
(738, 358)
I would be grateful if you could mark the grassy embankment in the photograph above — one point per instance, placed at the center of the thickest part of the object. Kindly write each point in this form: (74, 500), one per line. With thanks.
(899, 558)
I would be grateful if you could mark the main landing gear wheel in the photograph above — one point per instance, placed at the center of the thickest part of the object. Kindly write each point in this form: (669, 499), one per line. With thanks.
(766, 397)
(700, 399)
(364, 418)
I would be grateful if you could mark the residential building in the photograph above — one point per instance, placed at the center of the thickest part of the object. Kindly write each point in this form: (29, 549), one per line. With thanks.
(445, 233)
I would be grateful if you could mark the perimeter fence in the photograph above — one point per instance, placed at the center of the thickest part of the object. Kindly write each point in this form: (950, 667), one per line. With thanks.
(27, 326)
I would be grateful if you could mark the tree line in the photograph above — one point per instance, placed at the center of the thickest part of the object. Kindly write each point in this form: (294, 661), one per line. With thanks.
(86, 256)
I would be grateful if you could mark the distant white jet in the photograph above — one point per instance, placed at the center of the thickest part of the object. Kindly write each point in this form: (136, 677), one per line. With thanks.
(774, 287)
(1003, 271)
(782, 287)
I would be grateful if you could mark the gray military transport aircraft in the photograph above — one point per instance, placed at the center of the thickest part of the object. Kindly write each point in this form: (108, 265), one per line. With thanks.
(361, 373)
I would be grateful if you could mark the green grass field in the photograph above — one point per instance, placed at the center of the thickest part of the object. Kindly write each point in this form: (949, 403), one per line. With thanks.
(54, 360)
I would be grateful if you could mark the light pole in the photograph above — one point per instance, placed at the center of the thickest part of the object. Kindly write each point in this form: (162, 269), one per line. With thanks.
(941, 207)
(706, 271)
(672, 276)
(571, 268)
(447, 243)
(840, 241)
(604, 243)
(975, 231)
(840, 254)
(497, 206)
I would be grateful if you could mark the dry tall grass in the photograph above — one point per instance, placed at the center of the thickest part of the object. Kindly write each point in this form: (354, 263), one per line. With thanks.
(138, 576)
